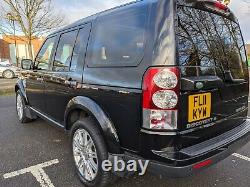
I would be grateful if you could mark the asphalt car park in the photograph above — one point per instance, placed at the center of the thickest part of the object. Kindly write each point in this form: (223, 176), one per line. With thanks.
(39, 145)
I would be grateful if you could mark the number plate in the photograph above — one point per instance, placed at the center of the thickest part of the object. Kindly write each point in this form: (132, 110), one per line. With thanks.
(199, 107)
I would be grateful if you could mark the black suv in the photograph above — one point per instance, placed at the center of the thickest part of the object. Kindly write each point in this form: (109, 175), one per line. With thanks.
(165, 81)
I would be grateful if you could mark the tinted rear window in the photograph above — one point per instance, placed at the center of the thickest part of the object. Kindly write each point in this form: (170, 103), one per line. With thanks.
(209, 40)
(119, 40)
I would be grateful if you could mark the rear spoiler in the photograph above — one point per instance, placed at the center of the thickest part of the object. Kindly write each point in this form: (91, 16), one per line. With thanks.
(211, 6)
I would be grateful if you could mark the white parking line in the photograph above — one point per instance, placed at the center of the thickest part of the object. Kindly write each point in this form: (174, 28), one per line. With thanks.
(241, 156)
(37, 171)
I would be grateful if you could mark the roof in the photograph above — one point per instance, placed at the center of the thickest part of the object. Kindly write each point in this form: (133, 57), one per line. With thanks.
(93, 17)
(109, 11)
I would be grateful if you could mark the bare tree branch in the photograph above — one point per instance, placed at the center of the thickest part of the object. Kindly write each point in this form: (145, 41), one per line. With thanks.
(32, 17)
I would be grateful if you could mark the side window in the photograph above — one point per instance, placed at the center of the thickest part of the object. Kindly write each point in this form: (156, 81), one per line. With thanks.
(44, 55)
(119, 40)
(80, 47)
(64, 51)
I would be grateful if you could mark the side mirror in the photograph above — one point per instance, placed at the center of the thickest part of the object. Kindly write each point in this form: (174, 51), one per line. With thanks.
(26, 64)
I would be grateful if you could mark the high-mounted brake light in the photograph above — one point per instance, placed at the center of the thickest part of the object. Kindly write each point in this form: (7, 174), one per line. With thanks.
(220, 6)
(217, 6)
(160, 98)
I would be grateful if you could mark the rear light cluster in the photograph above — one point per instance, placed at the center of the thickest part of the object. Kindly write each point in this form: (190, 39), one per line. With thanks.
(160, 98)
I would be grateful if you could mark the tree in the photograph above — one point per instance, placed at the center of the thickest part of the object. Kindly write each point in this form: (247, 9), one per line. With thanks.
(32, 17)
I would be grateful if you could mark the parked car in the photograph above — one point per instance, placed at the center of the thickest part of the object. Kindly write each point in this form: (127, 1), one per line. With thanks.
(4, 61)
(165, 81)
(8, 71)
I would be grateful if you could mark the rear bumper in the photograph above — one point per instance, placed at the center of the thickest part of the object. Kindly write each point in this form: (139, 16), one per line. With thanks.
(213, 150)
(210, 151)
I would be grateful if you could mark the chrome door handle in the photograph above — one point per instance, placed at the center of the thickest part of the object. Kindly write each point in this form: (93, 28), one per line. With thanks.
(39, 79)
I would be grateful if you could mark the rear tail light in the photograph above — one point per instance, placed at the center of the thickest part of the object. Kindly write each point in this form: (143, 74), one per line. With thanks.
(160, 98)
(160, 119)
(166, 79)
(165, 99)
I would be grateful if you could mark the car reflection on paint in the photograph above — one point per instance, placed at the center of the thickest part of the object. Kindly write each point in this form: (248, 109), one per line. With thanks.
(8, 71)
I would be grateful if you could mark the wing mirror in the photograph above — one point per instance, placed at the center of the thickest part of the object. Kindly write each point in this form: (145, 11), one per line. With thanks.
(26, 64)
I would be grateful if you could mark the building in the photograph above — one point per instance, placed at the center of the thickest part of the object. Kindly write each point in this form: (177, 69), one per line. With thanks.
(248, 54)
(248, 49)
(9, 51)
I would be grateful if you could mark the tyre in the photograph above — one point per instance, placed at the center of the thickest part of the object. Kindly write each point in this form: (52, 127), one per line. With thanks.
(89, 151)
(20, 105)
(8, 74)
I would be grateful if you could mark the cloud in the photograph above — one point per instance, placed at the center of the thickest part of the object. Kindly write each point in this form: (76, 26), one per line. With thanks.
(77, 9)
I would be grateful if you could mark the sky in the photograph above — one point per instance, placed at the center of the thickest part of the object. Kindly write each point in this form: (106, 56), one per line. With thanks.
(77, 9)
(241, 8)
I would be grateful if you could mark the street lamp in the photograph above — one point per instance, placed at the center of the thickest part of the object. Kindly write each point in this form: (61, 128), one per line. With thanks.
(13, 19)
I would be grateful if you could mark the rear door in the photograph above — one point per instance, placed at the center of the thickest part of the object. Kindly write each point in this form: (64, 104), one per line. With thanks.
(212, 59)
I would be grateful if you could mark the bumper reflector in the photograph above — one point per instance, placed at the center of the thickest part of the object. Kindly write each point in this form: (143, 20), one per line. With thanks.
(202, 164)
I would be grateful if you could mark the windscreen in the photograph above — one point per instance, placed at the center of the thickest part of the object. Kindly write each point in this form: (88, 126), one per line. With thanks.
(208, 40)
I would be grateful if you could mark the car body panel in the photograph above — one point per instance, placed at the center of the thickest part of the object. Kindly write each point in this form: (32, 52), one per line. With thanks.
(6, 67)
(5, 62)
(92, 108)
(113, 95)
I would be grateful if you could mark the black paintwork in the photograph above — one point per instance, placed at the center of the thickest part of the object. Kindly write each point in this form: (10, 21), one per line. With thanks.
(113, 95)
(92, 108)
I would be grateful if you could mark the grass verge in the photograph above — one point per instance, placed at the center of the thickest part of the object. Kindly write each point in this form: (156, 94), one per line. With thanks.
(7, 91)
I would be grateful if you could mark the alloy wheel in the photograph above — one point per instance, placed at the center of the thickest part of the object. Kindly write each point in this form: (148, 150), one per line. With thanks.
(8, 74)
(19, 106)
(85, 154)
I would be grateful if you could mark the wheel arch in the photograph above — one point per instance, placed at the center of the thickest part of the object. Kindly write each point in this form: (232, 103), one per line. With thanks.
(80, 107)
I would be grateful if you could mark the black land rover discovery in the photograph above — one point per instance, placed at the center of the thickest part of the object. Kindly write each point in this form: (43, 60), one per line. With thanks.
(159, 80)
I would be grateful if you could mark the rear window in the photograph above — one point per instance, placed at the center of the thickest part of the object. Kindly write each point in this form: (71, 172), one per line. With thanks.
(208, 40)
(119, 40)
